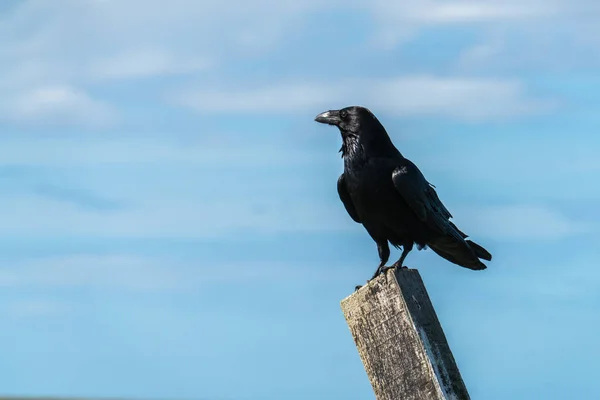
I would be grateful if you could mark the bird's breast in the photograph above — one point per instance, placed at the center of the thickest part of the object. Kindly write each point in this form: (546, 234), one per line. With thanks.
(371, 188)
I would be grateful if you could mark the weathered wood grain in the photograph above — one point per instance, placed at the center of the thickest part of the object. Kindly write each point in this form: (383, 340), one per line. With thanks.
(400, 340)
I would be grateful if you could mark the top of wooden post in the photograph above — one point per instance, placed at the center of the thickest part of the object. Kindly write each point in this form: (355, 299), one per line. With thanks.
(400, 340)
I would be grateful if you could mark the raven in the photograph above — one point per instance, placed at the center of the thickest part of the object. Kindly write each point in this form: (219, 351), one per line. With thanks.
(391, 198)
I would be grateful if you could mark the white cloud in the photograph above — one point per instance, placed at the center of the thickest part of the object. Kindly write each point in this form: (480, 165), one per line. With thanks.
(132, 151)
(79, 44)
(524, 165)
(266, 99)
(144, 63)
(399, 21)
(133, 273)
(121, 39)
(52, 103)
(114, 271)
(459, 97)
(563, 36)
(478, 54)
(517, 222)
(167, 216)
(34, 308)
(469, 11)
(511, 35)
(181, 212)
(467, 98)
(49, 46)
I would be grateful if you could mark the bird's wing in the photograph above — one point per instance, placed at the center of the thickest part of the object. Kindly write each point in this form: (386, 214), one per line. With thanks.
(345, 197)
(422, 199)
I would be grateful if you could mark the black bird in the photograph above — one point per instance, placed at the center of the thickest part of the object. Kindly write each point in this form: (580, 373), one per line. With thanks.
(391, 198)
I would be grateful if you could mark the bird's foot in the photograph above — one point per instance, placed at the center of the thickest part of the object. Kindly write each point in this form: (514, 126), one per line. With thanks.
(394, 266)
(399, 266)
(379, 271)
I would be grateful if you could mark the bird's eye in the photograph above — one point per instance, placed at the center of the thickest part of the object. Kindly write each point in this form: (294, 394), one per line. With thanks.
(343, 113)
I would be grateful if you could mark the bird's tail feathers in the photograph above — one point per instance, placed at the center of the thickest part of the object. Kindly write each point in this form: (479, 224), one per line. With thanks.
(457, 252)
(480, 251)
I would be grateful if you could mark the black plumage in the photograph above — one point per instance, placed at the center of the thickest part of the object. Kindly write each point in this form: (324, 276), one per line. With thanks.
(390, 197)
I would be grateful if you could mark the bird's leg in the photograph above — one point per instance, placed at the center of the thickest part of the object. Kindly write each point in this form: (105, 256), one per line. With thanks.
(379, 270)
(406, 248)
(384, 255)
(400, 263)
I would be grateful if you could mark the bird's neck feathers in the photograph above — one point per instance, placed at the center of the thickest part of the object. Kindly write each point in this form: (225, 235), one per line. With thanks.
(350, 146)
(358, 147)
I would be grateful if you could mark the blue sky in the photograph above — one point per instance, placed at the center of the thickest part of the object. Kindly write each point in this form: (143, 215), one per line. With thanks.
(170, 223)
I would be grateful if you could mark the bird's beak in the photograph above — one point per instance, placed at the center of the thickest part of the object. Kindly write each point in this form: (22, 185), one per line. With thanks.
(331, 117)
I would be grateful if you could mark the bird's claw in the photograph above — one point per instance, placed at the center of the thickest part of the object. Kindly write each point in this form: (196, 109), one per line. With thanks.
(383, 270)
(394, 267)
(386, 269)
(379, 271)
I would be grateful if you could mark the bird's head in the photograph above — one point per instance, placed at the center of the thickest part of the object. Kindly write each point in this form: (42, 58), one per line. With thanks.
(349, 120)
(359, 128)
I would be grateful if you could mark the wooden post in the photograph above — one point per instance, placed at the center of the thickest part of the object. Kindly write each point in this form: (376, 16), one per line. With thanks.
(400, 340)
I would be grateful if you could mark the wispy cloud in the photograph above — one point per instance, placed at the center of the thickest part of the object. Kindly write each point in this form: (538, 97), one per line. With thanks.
(138, 273)
(400, 21)
(59, 104)
(144, 64)
(207, 149)
(559, 35)
(462, 11)
(160, 212)
(45, 183)
(55, 54)
(34, 308)
(518, 222)
(85, 199)
(168, 216)
(82, 39)
(472, 99)
(120, 272)
(533, 165)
